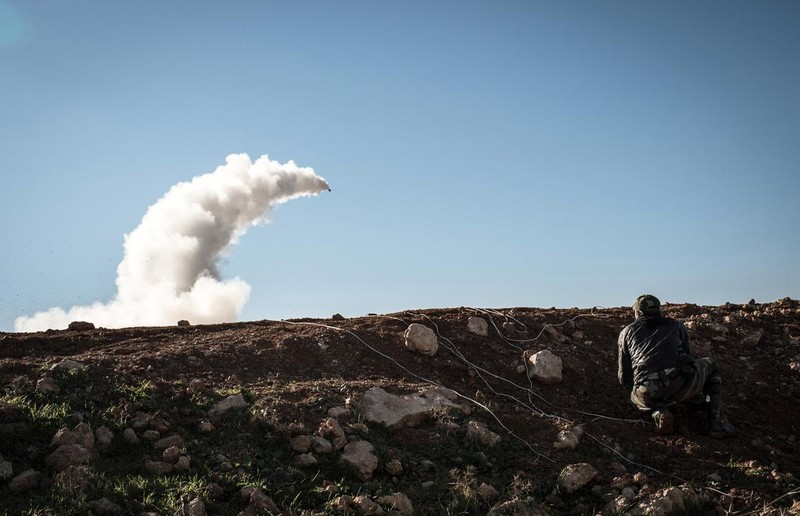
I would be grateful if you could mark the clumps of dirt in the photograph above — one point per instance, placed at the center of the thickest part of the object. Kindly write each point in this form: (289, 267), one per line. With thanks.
(264, 417)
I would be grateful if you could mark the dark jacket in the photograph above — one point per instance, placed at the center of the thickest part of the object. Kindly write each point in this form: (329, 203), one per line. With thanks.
(649, 345)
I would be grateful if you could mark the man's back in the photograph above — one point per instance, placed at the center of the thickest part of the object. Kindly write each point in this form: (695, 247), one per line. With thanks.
(649, 345)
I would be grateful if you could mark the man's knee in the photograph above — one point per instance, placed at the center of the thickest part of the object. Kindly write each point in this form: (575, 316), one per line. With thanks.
(712, 379)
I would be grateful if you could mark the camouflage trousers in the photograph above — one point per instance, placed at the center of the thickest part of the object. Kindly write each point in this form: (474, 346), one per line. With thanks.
(690, 382)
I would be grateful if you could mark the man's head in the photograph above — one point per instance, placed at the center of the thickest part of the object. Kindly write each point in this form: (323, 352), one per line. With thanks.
(647, 304)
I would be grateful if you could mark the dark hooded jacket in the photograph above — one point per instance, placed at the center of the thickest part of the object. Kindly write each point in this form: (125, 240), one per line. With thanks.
(651, 344)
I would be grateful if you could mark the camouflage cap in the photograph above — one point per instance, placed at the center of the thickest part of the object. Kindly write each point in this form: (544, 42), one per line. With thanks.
(647, 304)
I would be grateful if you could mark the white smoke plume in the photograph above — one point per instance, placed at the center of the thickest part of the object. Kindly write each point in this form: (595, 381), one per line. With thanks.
(169, 271)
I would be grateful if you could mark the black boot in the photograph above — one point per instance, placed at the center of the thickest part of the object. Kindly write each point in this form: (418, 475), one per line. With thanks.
(719, 427)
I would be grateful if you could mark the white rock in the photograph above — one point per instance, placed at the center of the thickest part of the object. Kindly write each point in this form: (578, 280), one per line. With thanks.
(361, 456)
(478, 326)
(392, 411)
(230, 403)
(421, 339)
(575, 476)
(479, 432)
(545, 367)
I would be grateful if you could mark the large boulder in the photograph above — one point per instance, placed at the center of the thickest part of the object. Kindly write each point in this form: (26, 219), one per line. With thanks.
(421, 339)
(545, 367)
(392, 411)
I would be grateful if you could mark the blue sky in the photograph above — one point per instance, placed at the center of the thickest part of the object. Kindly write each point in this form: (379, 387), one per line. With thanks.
(480, 153)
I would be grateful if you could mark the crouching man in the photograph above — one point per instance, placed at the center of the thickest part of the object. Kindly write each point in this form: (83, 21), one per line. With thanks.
(656, 366)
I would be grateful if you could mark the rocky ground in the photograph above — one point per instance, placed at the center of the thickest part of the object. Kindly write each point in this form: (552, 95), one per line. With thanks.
(341, 416)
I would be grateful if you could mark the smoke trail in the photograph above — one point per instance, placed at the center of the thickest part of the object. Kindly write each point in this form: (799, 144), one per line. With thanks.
(169, 271)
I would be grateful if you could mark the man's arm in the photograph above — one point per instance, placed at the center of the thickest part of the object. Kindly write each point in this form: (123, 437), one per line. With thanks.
(624, 367)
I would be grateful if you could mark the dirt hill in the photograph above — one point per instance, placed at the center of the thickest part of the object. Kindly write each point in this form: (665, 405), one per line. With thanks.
(160, 444)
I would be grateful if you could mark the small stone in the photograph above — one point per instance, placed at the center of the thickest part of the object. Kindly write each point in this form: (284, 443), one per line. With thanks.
(305, 460)
(337, 317)
(214, 491)
(103, 437)
(397, 503)
(301, 443)
(183, 323)
(151, 435)
(575, 476)
(46, 385)
(130, 437)
(141, 420)
(478, 326)
(487, 492)
(394, 467)
(367, 507)
(184, 463)
(25, 481)
(157, 467)
(63, 436)
(714, 477)
(6, 469)
(67, 365)
(629, 493)
(84, 435)
(234, 402)
(104, 506)
(428, 484)
(205, 427)
(337, 412)
(261, 502)
(167, 442)
(479, 432)
(196, 385)
(68, 455)
(640, 478)
(321, 445)
(195, 507)
(421, 339)
(360, 455)
(330, 427)
(171, 454)
(545, 367)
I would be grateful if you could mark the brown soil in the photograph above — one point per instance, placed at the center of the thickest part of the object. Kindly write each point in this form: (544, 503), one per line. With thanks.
(292, 372)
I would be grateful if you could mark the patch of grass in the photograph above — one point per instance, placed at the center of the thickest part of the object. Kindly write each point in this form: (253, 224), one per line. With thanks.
(138, 393)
